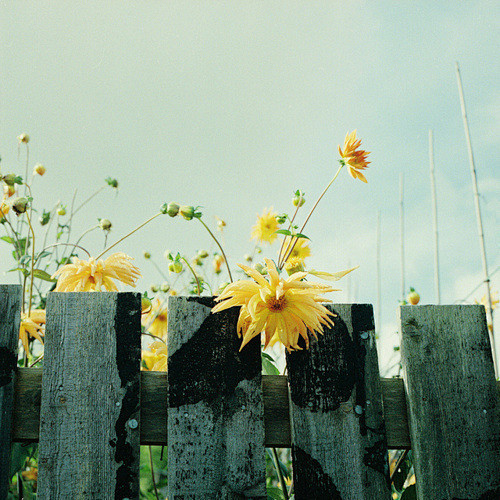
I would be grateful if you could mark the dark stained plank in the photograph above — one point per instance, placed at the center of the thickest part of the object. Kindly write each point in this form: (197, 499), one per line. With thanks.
(90, 407)
(339, 446)
(215, 407)
(10, 317)
(452, 400)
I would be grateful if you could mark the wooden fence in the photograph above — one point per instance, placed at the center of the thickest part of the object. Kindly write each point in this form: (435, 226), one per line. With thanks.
(95, 407)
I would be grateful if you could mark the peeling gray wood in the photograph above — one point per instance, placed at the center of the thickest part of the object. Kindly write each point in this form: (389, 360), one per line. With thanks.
(452, 400)
(10, 317)
(339, 446)
(89, 417)
(216, 413)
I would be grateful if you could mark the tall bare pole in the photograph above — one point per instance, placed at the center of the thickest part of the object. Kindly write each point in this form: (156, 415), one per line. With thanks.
(434, 218)
(489, 309)
(402, 235)
(379, 279)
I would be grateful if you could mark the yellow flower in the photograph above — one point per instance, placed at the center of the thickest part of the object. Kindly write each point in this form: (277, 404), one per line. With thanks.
(264, 229)
(39, 169)
(294, 265)
(32, 325)
(217, 263)
(156, 357)
(155, 321)
(301, 250)
(283, 308)
(4, 210)
(30, 474)
(354, 158)
(95, 276)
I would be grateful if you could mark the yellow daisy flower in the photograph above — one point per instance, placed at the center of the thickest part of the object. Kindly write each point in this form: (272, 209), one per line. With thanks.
(283, 308)
(354, 158)
(156, 357)
(155, 321)
(264, 229)
(32, 325)
(301, 250)
(96, 276)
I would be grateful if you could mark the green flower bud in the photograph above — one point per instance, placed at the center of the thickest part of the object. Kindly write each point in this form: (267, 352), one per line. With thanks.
(187, 211)
(172, 209)
(248, 257)
(260, 268)
(299, 198)
(281, 219)
(105, 224)
(61, 210)
(112, 182)
(165, 287)
(154, 288)
(23, 138)
(44, 218)
(145, 304)
(147, 255)
(19, 205)
(12, 179)
(202, 254)
(175, 267)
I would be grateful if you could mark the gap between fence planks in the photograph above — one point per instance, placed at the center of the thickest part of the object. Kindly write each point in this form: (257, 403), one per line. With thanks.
(28, 383)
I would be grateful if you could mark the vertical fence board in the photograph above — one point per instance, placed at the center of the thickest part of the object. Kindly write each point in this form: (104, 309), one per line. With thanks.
(89, 417)
(339, 445)
(10, 317)
(452, 400)
(215, 405)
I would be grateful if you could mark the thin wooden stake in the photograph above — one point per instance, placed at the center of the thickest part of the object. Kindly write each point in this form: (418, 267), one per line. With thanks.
(434, 218)
(489, 309)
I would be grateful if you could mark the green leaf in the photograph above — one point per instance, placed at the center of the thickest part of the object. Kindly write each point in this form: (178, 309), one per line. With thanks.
(42, 275)
(286, 232)
(21, 270)
(8, 239)
(409, 493)
(269, 367)
(300, 235)
(401, 474)
(274, 493)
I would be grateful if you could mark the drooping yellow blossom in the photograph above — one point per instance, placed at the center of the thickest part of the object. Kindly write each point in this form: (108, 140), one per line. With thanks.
(4, 210)
(294, 265)
(301, 249)
(283, 308)
(265, 227)
(156, 357)
(32, 325)
(9, 191)
(39, 169)
(96, 276)
(355, 159)
(217, 263)
(155, 321)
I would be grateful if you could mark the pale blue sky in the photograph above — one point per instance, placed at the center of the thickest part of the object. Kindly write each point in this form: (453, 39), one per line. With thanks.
(234, 105)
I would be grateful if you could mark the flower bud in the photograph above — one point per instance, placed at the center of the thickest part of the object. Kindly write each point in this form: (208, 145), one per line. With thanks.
(61, 210)
(112, 182)
(172, 209)
(165, 287)
(10, 179)
(4, 210)
(105, 224)
(220, 224)
(23, 138)
(145, 304)
(154, 288)
(39, 169)
(187, 211)
(19, 205)
(217, 263)
(9, 191)
(298, 199)
(175, 267)
(281, 219)
(202, 254)
(44, 218)
(173, 293)
(248, 257)
(260, 268)
(147, 255)
(198, 261)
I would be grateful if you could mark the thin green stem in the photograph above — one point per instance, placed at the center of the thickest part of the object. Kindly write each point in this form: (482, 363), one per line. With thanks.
(194, 274)
(158, 268)
(280, 473)
(284, 239)
(310, 213)
(64, 244)
(32, 264)
(153, 472)
(127, 235)
(220, 248)
(87, 200)
(80, 238)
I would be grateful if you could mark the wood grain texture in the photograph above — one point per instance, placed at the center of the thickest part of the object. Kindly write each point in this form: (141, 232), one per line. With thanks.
(10, 317)
(216, 412)
(339, 446)
(89, 417)
(453, 404)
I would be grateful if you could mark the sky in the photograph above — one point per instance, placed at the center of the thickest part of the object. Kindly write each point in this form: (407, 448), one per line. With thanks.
(234, 105)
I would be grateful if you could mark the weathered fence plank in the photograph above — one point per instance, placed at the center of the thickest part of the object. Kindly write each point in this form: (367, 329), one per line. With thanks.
(28, 388)
(89, 418)
(10, 317)
(215, 415)
(339, 446)
(452, 400)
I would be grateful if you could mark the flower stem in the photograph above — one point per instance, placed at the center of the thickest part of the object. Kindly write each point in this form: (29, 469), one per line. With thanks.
(284, 239)
(87, 200)
(310, 213)
(127, 235)
(32, 263)
(194, 274)
(280, 473)
(220, 248)
(153, 472)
